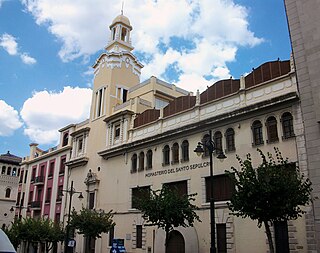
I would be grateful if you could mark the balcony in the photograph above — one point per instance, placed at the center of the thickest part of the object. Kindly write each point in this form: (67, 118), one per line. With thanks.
(39, 180)
(35, 205)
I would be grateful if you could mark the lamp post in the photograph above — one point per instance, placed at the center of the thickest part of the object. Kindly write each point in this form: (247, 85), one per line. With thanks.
(20, 207)
(71, 191)
(210, 145)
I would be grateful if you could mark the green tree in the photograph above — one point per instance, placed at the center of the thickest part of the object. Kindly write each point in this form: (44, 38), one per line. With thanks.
(274, 191)
(167, 209)
(91, 223)
(32, 231)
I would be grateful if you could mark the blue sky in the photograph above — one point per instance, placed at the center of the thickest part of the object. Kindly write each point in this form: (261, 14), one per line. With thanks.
(47, 48)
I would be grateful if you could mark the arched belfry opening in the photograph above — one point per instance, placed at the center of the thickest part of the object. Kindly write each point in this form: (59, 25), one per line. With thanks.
(120, 35)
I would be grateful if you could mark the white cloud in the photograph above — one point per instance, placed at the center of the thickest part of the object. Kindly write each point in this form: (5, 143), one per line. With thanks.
(46, 112)
(9, 43)
(9, 119)
(212, 29)
(27, 59)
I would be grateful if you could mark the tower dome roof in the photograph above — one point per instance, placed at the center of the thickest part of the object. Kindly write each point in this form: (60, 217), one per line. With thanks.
(121, 19)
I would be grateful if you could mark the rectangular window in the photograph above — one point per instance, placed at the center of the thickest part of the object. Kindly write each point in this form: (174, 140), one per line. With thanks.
(48, 196)
(180, 187)
(139, 236)
(59, 193)
(57, 218)
(62, 165)
(18, 199)
(30, 197)
(33, 176)
(21, 177)
(99, 102)
(80, 144)
(25, 176)
(139, 193)
(91, 200)
(222, 238)
(223, 188)
(117, 131)
(51, 169)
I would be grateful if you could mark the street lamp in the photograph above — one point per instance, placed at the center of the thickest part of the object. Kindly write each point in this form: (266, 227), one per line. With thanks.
(210, 145)
(71, 191)
(20, 207)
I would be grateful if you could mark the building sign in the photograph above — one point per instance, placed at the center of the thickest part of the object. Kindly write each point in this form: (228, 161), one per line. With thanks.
(178, 169)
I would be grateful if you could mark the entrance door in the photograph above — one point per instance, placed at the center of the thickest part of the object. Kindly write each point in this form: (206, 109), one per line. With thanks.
(176, 242)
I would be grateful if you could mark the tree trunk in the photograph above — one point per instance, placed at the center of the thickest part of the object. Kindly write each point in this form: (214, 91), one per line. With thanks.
(269, 236)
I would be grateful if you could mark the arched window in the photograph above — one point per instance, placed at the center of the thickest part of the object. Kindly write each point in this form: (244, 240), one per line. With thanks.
(149, 159)
(14, 171)
(141, 161)
(166, 155)
(230, 140)
(185, 151)
(124, 34)
(175, 153)
(287, 125)
(205, 140)
(3, 171)
(272, 129)
(257, 133)
(134, 163)
(65, 139)
(9, 171)
(8, 192)
(217, 138)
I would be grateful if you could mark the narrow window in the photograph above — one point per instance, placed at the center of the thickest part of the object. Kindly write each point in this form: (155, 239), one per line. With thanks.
(272, 129)
(287, 125)
(223, 188)
(257, 133)
(175, 153)
(217, 138)
(25, 176)
(48, 196)
(205, 140)
(51, 169)
(59, 193)
(57, 218)
(80, 144)
(166, 155)
(230, 140)
(3, 171)
(141, 161)
(139, 236)
(124, 95)
(14, 171)
(134, 163)
(123, 34)
(114, 33)
(65, 139)
(21, 176)
(62, 165)
(91, 200)
(30, 197)
(149, 159)
(139, 193)
(8, 192)
(281, 236)
(117, 131)
(222, 237)
(99, 103)
(185, 151)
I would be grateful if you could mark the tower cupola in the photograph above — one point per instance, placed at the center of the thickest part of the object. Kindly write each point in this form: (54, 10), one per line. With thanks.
(120, 35)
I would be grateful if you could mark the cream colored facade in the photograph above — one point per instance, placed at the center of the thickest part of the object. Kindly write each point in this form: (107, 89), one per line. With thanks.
(9, 165)
(127, 123)
(133, 124)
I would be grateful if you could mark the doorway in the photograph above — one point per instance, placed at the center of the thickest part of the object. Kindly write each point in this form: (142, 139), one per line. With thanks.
(176, 242)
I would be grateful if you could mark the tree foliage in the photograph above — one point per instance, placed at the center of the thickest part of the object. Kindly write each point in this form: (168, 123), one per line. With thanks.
(167, 209)
(91, 223)
(274, 191)
(32, 231)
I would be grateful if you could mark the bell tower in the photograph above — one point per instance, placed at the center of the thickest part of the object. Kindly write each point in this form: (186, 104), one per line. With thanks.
(120, 35)
(115, 71)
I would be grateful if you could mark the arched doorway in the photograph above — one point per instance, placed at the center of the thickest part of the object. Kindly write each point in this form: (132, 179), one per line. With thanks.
(176, 242)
